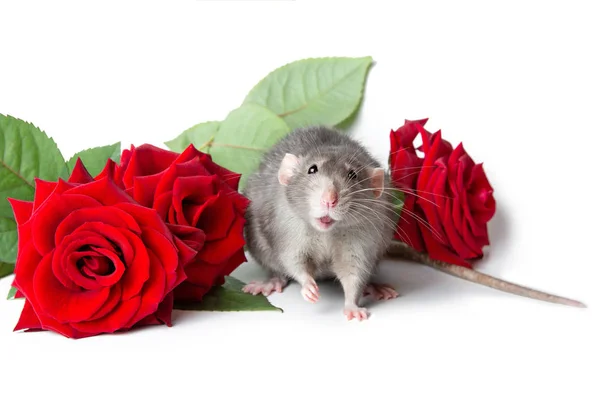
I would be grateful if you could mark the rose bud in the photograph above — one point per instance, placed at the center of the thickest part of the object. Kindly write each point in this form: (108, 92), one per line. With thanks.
(448, 199)
(91, 260)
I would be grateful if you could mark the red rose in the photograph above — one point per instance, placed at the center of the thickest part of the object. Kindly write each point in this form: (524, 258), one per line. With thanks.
(448, 199)
(199, 201)
(90, 260)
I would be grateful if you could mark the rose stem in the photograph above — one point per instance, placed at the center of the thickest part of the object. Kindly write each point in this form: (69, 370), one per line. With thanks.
(400, 249)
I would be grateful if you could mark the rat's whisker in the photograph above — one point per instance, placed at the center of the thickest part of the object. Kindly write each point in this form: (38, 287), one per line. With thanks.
(381, 217)
(413, 215)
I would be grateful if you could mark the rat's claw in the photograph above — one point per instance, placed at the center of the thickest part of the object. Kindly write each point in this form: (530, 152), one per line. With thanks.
(310, 292)
(266, 288)
(355, 312)
(380, 291)
(278, 286)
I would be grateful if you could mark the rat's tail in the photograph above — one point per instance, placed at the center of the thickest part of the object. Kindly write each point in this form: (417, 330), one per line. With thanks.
(400, 249)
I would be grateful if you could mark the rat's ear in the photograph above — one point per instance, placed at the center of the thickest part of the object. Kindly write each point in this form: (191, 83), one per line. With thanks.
(377, 181)
(287, 168)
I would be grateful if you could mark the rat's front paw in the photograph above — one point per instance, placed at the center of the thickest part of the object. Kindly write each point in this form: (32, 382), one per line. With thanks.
(355, 312)
(310, 291)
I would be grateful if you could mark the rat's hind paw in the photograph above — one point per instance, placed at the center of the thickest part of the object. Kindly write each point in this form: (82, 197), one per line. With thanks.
(310, 291)
(355, 312)
(380, 291)
(266, 288)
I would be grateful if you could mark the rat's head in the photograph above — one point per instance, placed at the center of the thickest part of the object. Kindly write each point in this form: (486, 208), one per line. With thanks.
(330, 190)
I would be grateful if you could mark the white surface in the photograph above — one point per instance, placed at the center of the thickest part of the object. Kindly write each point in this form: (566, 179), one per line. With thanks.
(517, 82)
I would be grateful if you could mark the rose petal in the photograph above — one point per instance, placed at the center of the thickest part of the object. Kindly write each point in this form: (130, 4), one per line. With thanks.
(192, 189)
(405, 169)
(109, 215)
(162, 314)
(104, 191)
(439, 252)
(444, 148)
(102, 235)
(111, 303)
(144, 189)
(43, 190)
(62, 186)
(162, 205)
(27, 263)
(63, 271)
(44, 322)
(152, 293)
(404, 136)
(138, 271)
(180, 169)
(481, 198)
(80, 174)
(191, 236)
(204, 274)
(454, 237)
(50, 215)
(217, 228)
(146, 217)
(147, 160)
(186, 255)
(470, 239)
(240, 201)
(60, 303)
(432, 205)
(21, 209)
(431, 156)
(453, 165)
(227, 176)
(109, 279)
(113, 321)
(109, 172)
(165, 310)
(408, 225)
(218, 251)
(28, 318)
(165, 252)
(187, 291)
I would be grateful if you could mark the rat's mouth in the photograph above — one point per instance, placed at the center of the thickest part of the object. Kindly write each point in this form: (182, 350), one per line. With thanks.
(325, 222)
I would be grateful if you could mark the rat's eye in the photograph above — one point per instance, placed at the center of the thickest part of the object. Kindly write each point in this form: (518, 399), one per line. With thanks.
(352, 174)
(312, 169)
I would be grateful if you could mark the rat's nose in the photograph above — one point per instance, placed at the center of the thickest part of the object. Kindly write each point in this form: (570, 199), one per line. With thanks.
(329, 198)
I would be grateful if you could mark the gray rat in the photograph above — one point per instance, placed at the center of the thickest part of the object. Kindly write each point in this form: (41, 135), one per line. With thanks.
(318, 211)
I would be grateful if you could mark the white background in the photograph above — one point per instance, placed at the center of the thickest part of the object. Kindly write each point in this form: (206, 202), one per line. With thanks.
(517, 82)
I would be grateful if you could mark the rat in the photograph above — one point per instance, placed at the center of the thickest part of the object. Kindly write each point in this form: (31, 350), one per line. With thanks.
(320, 209)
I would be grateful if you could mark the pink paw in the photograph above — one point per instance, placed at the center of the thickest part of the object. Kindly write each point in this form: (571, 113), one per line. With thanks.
(355, 312)
(380, 291)
(266, 288)
(310, 291)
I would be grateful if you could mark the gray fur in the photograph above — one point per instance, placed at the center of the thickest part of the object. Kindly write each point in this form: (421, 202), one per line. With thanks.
(279, 233)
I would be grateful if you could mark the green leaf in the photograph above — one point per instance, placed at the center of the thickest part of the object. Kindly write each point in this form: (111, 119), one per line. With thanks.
(8, 241)
(94, 159)
(6, 269)
(238, 142)
(397, 197)
(25, 153)
(194, 136)
(313, 91)
(229, 297)
(11, 293)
